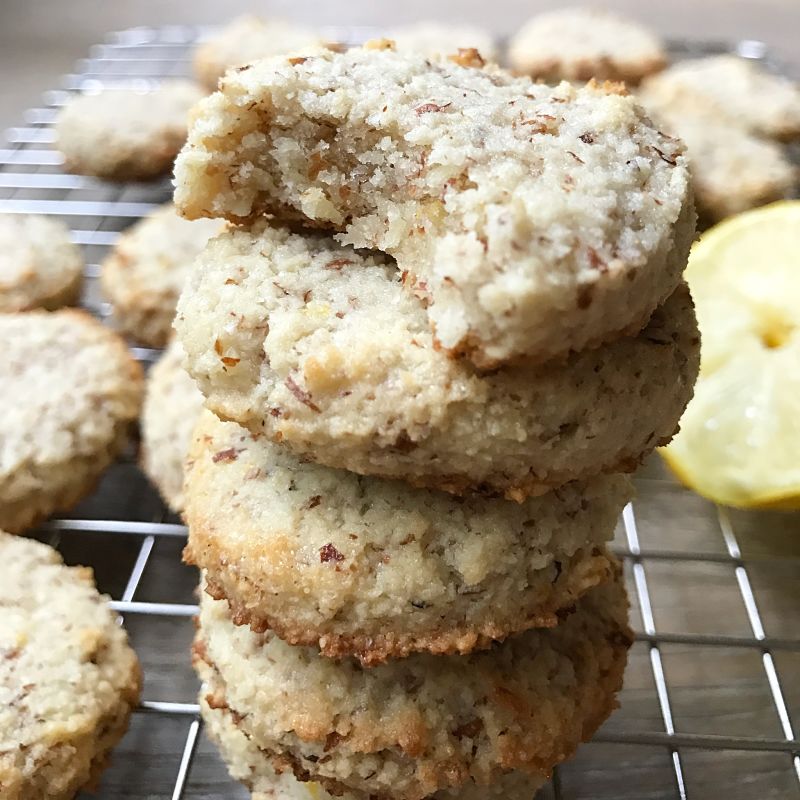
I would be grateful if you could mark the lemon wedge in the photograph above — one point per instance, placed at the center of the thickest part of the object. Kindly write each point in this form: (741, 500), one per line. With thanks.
(739, 442)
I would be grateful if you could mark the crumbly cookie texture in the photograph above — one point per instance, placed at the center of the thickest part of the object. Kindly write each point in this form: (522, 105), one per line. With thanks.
(438, 38)
(69, 390)
(40, 267)
(172, 405)
(320, 347)
(125, 134)
(144, 274)
(577, 44)
(256, 770)
(68, 677)
(749, 95)
(508, 203)
(733, 169)
(375, 569)
(248, 38)
(412, 727)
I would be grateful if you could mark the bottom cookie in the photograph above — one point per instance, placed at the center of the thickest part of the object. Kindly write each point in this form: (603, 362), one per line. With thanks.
(425, 724)
(256, 769)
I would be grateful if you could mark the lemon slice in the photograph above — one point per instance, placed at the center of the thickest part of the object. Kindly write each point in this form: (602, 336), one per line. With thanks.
(739, 442)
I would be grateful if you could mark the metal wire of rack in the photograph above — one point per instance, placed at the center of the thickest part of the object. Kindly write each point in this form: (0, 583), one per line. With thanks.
(705, 582)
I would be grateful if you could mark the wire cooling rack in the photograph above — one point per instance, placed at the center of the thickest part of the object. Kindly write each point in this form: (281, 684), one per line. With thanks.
(712, 694)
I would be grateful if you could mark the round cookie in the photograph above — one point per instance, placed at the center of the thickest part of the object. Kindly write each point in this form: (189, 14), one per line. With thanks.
(535, 220)
(737, 91)
(577, 44)
(246, 39)
(125, 134)
(323, 349)
(376, 569)
(68, 677)
(733, 169)
(69, 392)
(437, 38)
(144, 274)
(412, 727)
(172, 404)
(256, 770)
(40, 267)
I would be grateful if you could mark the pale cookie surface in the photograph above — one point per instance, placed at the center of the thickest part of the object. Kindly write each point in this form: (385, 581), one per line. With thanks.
(506, 201)
(246, 39)
(409, 728)
(125, 134)
(322, 348)
(256, 770)
(40, 267)
(377, 569)
(68, 678)
(581, 43)
(733, 169)
(172, 405)
(437, 38)
(741, 90)
(144, 274)
(69, 392)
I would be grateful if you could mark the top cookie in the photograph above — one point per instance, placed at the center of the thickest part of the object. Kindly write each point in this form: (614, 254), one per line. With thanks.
(742, 91)
(68, 678)
(505, 201)
(438, 38)
(124, 134)
(245, 39)
(40, 267)
(577, 44)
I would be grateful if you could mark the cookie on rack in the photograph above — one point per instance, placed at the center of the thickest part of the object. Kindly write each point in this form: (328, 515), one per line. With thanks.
(68, 677)
(733, 169)
(409, 728)
(376, 569)
(347, 373)
(535, 220)
(172, 405)
(439, 38)
(741, 90)
(125, 134)
(142, 277)
(69, 393)
(577, 44)
(256, 770)
(40, 267)
(246, 39)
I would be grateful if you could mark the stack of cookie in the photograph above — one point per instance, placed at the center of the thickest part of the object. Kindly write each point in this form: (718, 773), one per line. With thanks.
(449, 314)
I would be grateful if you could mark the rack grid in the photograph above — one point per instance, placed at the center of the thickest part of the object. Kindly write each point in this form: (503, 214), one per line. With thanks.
(712, 698)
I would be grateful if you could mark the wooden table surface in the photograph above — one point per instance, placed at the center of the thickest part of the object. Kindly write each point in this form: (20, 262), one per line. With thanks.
(712, 687)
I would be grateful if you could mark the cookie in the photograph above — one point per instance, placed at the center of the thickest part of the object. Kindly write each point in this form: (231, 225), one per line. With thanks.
(577, 44)
(69, 392)
(68, 677)
(438, 38)
(733, 169)
(323, 349)
(507, 203)
(125, 134)
(172, 404)
(376, 569)
(255, 769)
(40, 267)
(144, 274)
(742, 90)
(248, 38)
(409, 728)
